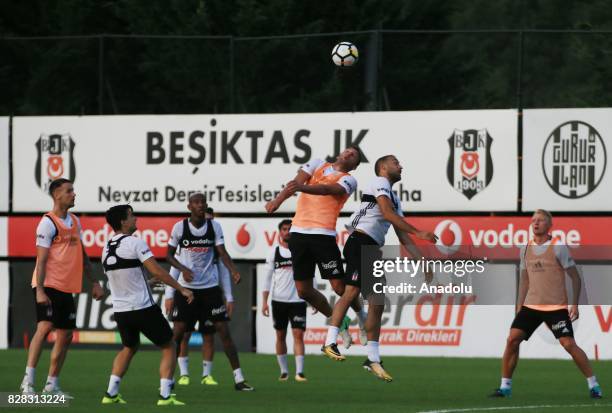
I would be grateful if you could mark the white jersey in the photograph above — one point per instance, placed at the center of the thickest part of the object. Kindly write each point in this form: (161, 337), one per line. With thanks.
(46, 231)
(224, 278)
(126, 276)
(369, 218)
(279, 276)
(561, 252)
(197, 252)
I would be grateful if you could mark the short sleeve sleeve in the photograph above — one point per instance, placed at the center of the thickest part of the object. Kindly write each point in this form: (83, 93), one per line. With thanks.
(381, 187)
(175, 235)
(563, 256)
(349, 183)
(522, 256)
(141, 249)
(312, 166)
(219, 238)
(45, 232)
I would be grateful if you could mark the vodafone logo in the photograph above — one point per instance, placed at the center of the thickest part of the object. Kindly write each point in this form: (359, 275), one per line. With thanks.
(244, 240)
(449, 236)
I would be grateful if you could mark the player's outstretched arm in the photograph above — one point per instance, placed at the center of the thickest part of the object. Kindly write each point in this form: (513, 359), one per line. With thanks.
(156, 270)
(386, 208)
(227, 260)
(289, 189)
(414, 251)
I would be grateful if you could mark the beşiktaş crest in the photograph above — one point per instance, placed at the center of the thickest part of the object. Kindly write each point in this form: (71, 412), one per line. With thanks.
(470, 166)
(55, 159)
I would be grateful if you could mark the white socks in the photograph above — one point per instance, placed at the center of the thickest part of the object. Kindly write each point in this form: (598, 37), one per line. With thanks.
(165, 387)
(238, 378)
(282, 363)
(30, 373)
(505, 383)
(183, 363)
(113, 385)
(332, 335)
(207, 368)
(52, 383)
(373, 354)
(299, 364)
(592, 382)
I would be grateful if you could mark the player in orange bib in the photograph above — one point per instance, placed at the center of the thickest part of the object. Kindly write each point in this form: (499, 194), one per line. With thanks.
(324, 188)
(543, 299)
(61, 262)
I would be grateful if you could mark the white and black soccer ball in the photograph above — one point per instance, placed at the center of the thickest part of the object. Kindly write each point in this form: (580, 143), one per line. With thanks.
(345, 54)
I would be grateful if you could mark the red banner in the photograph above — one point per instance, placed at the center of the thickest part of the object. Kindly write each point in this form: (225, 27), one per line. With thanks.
(492, 237)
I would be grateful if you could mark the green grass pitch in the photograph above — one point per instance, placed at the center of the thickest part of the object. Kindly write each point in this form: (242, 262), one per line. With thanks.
(420, 384)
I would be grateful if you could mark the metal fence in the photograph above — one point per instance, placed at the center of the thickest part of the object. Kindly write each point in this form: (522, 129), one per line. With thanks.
(398, 70)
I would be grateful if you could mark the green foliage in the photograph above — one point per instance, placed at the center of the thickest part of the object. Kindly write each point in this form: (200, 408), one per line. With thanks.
(179, 74)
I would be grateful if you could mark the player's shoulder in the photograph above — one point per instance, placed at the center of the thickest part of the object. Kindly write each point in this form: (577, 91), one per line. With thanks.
(178, 225)
(314, 163)
(380, 185)
(216, 225)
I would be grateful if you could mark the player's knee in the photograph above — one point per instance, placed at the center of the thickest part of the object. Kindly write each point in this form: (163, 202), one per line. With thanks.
(44, 328)
(131, 350)
(350, 293)
(513, 342)
(569, 345)
(304, 292)
(298, 334)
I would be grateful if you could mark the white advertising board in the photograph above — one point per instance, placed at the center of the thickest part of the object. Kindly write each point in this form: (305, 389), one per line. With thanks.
(453, 160)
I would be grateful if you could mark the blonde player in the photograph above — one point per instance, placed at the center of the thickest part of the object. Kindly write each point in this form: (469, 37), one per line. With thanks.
(543, 299)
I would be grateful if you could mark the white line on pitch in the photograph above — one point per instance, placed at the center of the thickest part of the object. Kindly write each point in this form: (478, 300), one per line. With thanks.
(538, 406)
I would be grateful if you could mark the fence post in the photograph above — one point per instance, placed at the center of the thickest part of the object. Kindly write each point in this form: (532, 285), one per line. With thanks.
(519, 106)
(101, 74)
(232, 76)
(371, 70)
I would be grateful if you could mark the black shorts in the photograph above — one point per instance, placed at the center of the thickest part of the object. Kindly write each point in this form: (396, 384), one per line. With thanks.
(61, 312)
(283, 312)
(207, 305)
(148, 321)
(310, 250)
(360, 252)
(558, 321)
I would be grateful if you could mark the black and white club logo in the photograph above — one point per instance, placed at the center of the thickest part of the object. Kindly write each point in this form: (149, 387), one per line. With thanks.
(574, 159)
(470, 167)
(54, 159)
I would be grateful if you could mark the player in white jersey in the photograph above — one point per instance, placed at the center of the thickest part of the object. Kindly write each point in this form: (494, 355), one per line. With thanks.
(208, 330)
(125, 259)
(287, 306)
(198, 239)
(380, 208)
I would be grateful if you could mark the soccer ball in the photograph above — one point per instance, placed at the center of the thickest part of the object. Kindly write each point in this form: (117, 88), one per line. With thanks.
(345, 54)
